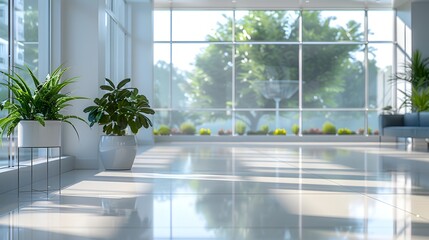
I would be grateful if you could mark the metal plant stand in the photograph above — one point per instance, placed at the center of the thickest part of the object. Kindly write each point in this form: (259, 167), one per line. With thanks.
(47, 169)
(277, 90)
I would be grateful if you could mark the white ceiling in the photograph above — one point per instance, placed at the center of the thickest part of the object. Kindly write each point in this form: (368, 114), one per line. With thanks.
(272, 4)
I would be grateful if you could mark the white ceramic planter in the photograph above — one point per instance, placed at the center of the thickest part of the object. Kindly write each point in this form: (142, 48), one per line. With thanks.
(117, 152)
(33, 134)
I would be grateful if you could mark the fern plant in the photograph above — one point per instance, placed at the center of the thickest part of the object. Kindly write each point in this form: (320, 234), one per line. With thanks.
(417, 99)
(44, 101)
(415, 72)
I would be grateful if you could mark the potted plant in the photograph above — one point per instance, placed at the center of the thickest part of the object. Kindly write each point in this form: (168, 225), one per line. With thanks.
(120, 109)
(36, 111)
(416, 73)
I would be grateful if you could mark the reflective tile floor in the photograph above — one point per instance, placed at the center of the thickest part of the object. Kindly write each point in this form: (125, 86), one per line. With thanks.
(236, 191)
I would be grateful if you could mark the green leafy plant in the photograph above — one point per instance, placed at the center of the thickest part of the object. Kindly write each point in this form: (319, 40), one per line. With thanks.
(187, 128)
(44, 101)
(240, 127)
(417, 100)
(119, 108)
(205, 131)
(416, 72)
(264, 129)
(295, 129)
(344, 131)
(164, 130)
(329, 128)
(280, 131)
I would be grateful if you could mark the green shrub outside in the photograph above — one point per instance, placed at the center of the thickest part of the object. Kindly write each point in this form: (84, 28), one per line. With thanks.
(280, 131)
(344, 131)
(240, 128)
(164, 130)
(187, 128)
(329, 128)
(295, 129)
(264, 129)
(205, 131)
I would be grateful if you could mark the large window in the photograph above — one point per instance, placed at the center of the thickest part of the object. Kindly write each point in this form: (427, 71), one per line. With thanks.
(272, 68)
(117, 40)
(25, 23)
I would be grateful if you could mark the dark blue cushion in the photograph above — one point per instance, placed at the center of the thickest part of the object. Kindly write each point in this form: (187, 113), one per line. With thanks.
(424, 119)
(411, 119)
(401, 131)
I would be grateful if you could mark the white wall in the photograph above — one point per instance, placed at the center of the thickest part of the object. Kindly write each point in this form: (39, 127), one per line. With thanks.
(77, 43)
(404, 13)
(419, 21)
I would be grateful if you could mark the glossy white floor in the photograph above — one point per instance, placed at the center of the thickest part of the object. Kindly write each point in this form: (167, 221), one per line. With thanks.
(236, 191)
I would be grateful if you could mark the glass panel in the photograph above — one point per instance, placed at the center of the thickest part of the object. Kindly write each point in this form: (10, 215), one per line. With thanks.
(202, 25)
(120, 54)
(4, 42)
(380, 25)
(107, 56)
(313, 122)
(333, 76)
(331, 26)
(400, 32)
(266, 73)
(402, 86)
(373, 128)
(380, 71)
(113, 51)
(267, 26)
(162, 117)
(109, 4)
(27, 50)
(4, 65)
(202, 75)
(161, 29)
(408, 41)
(257, 122)
(118, 8)
(27, 34)
(162, 71)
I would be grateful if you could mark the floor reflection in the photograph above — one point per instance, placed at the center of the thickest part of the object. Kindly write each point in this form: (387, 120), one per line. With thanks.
(246, 191)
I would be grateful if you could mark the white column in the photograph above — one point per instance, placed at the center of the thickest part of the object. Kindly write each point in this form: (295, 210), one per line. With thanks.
(419, 20)
(142, 56)
(80, 46)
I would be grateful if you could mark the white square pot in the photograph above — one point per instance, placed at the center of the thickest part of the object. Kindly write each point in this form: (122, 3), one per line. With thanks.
(33, 134)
